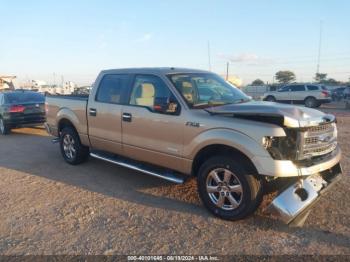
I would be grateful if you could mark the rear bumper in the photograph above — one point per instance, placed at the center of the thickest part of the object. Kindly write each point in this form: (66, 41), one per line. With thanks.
(18, 121)
(293, 205)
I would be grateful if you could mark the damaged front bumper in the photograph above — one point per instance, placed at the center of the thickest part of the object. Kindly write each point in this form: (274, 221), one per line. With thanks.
(293, 205)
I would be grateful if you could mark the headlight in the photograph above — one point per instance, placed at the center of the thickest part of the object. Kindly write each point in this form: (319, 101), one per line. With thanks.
(281, 148)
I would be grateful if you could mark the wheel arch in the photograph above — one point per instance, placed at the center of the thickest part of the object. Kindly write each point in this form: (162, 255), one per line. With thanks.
(63, 123)
(310, 97)
(221, 149)
(272, 96)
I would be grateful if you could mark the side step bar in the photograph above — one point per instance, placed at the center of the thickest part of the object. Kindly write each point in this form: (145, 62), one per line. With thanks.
(138, 167)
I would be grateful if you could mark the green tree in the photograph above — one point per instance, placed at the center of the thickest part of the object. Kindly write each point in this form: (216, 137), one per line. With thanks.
(320, 77)
(330, 81)
(258, 82)
(285, 77)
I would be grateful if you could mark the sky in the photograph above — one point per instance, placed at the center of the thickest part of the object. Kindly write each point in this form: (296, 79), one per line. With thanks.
(47, 40)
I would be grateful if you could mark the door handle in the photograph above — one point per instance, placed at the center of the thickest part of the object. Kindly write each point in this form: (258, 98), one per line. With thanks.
(127, 117)
(92, 112)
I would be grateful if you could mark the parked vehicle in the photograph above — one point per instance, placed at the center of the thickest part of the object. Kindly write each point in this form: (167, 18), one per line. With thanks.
(158, 121)
(310, 95)
(21, 108)
(257, 92)
(337, 93)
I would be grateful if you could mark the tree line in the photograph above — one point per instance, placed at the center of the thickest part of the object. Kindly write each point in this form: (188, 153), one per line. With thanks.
(285, 77)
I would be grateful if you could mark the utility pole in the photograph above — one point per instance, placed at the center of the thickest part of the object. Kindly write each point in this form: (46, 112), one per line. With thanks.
(227, 67)
(209, 60)
(62, 81)
(319, 48)
(54, 79)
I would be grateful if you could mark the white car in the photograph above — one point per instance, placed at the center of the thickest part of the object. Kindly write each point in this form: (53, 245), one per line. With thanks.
(311, 95)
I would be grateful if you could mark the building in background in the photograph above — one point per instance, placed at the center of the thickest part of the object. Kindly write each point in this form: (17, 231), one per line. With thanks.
(235, 80)
(6, 82)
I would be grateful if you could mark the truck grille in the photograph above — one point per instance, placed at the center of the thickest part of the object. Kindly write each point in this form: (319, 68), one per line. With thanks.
(318, 140)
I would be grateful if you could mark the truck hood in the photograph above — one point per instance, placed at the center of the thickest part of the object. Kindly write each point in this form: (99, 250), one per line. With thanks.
(282, 114)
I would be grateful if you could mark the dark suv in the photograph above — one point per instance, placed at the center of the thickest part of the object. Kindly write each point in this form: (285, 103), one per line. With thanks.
(21, 108)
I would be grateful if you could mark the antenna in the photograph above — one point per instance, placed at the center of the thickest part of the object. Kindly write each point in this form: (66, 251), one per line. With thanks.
(319, 48)
(209, 60)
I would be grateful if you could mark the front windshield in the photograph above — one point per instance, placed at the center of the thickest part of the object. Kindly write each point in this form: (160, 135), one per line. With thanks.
(202, 90)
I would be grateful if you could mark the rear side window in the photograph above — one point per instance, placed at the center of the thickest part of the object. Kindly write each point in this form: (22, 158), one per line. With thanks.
(312, 88)
(297, 88)
(24, 97)
(111, 88)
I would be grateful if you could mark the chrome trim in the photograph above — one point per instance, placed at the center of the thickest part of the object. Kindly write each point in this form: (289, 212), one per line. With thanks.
(292, 204)
(336, 155)
(317, 120)
(168, 177)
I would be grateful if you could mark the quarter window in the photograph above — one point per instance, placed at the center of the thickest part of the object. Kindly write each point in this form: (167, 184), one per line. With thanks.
(111, 88)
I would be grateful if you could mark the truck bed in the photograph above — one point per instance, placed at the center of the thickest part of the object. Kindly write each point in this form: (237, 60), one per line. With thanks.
(74, 106)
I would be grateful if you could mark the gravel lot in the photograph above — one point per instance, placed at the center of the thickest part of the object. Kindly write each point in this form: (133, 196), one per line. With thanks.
(50, 207)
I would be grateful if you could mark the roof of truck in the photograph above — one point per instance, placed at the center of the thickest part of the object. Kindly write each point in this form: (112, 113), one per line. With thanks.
(154, 70)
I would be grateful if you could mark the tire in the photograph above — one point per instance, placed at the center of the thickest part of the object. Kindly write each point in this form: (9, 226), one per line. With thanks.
(244, 188)
(270, 99)
(310, 102)
(4, 129)
(72, 150)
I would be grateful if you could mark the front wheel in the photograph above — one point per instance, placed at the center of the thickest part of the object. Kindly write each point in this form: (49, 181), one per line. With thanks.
(227, 189)
(72, 150)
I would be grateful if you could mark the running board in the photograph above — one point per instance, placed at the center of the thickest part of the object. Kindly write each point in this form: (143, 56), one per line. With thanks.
(172, 177)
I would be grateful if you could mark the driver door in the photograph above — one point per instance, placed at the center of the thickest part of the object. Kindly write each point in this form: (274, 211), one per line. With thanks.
(150, 133)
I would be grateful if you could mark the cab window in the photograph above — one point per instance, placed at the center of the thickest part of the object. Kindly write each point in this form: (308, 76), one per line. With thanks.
(111, 88)
(150, 91)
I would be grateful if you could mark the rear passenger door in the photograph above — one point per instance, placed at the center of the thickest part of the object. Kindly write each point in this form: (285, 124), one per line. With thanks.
(104, 112)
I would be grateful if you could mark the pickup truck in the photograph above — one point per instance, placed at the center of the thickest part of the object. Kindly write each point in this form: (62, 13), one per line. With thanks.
(174, 123)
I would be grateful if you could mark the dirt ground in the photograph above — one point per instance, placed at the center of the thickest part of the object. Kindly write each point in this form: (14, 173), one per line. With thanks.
(50, 207)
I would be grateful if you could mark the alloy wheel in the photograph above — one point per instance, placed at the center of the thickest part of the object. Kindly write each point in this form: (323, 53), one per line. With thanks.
(224, 189)
(69, 146)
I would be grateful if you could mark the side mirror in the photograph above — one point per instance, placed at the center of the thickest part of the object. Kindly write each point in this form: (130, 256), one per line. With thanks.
(165, 105)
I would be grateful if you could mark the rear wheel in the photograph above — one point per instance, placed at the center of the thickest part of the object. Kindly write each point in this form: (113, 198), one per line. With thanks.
(310, 102)
(271, 99)
(227, 189)
(4, 129)
(72, 150)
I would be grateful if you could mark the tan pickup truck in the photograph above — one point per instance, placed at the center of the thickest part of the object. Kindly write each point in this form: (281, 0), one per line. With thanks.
(174, 123)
